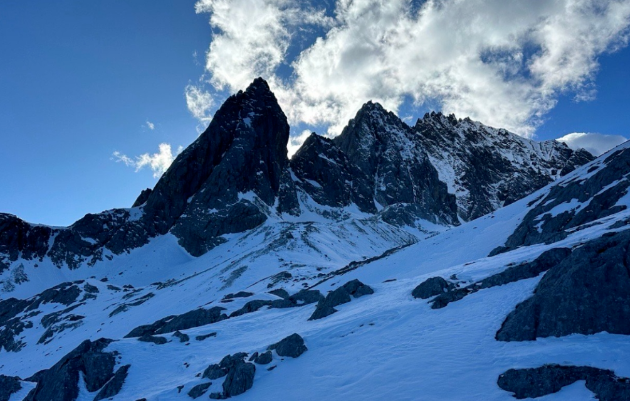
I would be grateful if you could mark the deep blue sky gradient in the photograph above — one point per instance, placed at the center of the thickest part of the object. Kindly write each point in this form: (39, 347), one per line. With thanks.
(79, 79)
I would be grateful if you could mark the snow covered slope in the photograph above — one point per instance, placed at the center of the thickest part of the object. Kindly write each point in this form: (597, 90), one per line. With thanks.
(325, 297)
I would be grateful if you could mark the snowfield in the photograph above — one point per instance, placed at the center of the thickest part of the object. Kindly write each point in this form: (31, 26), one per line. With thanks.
(382, 346)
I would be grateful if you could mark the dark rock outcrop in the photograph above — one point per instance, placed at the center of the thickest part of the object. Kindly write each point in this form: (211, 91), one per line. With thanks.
(593, 198)
(60, 382)
(548, 379)
(292, 346)
(432, 287)
(182, 337)
(264, 358)
(542, 263)
(147, 338)
(8, 386)
(586, 293)
(326, 306)
(114, 385)
(188, 320)
(396, 166)
(239, 375)
(199, 390)
(239, 379)
(489, 168)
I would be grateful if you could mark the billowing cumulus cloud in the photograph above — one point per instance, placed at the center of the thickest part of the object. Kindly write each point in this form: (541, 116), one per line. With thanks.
(157, 162)
(594, 143)
(199, 102)
(504, 63)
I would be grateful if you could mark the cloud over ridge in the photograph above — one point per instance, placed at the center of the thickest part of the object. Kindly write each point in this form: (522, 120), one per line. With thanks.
(503, 63)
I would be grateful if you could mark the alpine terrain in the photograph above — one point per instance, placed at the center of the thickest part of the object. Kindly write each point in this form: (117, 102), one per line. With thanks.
(446, 260)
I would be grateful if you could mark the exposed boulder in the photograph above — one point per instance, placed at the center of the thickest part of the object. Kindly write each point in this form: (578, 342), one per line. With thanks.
(182, 337)
(431, 287)
(548, 379)
(264, 358)
(326, 306)
(566, 301)
(204, 336)
(239, 379)
(199, 390)
(8, 386)
(147, 338)
(292, 346)
(60, 382)
(188, 320)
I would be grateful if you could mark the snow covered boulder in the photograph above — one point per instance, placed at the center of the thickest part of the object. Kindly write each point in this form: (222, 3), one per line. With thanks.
(292, 346)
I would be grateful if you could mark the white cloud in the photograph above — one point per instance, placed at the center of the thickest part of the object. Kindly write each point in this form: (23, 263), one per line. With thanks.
(158, 162)
(199, 102)
(597, 144)
(501, 62)
(150, 125)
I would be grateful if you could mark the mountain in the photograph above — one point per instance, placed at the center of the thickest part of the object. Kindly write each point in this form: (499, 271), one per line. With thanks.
(352, 271)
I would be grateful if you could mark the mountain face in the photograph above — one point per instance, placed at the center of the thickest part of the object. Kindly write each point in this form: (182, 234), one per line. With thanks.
(236, 176)
(349, 272)
(488, 168)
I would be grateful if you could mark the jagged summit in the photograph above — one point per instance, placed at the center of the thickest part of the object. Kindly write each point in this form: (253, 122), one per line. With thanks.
(487, 168)
(236, 176)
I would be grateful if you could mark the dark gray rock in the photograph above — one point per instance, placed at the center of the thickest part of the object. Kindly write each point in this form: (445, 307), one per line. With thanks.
(60, 382)
(188, 320)
(143, 197)
(326, 306)
(374, 142)
(300, 298)
(493, 167)
(182, 337)
(89, 288)
(327, 175)
(214, 372)
(240, 294)
(432, 287)
(199, 390)
(204, 336)
(244, 149)
(357, 289)
(8, 386)
(599, 192)
(586, 293)
(542, 263)
(239, 379)
(114, 385)
(280, 292)
(251, 306)
(548, 379)
(264, 358)
(147, 338)
(292, 346)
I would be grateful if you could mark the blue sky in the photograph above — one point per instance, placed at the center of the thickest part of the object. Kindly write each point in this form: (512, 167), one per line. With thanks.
(81, 80)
